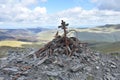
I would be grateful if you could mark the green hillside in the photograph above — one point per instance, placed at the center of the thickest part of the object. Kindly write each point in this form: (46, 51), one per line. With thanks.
(106, 47)
(105, 38)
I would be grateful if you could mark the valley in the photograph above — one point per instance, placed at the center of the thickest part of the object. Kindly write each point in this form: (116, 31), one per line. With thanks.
(105, 39)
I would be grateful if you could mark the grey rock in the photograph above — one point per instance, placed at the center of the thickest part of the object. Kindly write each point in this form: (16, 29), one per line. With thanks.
(97, 67)
(52, 73)
(109, 77)
(2, 78)
(21, 78)
(76, 67)
(107, 69)
(113, 66)
(41, 61)
(13, 69)
(88, 69)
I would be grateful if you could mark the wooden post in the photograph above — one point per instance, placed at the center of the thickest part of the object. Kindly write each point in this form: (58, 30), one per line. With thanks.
(63, 26)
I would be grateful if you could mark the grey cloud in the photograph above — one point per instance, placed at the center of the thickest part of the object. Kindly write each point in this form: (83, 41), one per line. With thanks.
(3, 1)
(77, 16)
(5, 18)
(108, 4)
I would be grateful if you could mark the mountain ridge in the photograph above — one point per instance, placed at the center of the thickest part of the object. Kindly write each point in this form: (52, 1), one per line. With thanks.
(105, 33)
(28, 34)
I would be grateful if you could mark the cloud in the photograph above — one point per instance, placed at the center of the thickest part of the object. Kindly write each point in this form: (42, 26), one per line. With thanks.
(40, 10)
(17, 13)
(43, 0)
(94, 1)
(107, 4)
(28, 2)
(75, 16)
(80, 17)
(21, 2)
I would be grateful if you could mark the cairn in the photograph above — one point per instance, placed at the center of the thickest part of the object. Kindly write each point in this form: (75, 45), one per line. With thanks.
(69, 45)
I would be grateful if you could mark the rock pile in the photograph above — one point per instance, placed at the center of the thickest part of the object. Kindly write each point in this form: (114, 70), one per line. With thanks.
(64, 58)
(52, 63)
(58, 45)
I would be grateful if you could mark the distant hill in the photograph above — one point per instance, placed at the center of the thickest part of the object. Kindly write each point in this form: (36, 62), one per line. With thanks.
(106, 33)
(99, 37)
(20, 34)
(115, 26)
(37, 30)
(105, 38)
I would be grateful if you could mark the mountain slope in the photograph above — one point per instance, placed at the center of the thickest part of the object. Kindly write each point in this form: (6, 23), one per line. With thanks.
(20, 34)
(106, 33)
(99, 37)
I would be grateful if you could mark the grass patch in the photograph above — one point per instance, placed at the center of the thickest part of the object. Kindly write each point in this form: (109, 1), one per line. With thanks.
(6, 46)
(13, 43)
(46, 35)
(5, 49)
(90, 78)
(106, 47)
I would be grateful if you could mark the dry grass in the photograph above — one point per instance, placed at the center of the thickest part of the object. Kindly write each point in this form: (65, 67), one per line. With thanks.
(13, 43)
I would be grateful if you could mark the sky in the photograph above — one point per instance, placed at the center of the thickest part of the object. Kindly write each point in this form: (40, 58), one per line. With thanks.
(49, 13)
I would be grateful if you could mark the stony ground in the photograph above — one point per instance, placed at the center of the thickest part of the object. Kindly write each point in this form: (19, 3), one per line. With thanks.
(83, 64)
